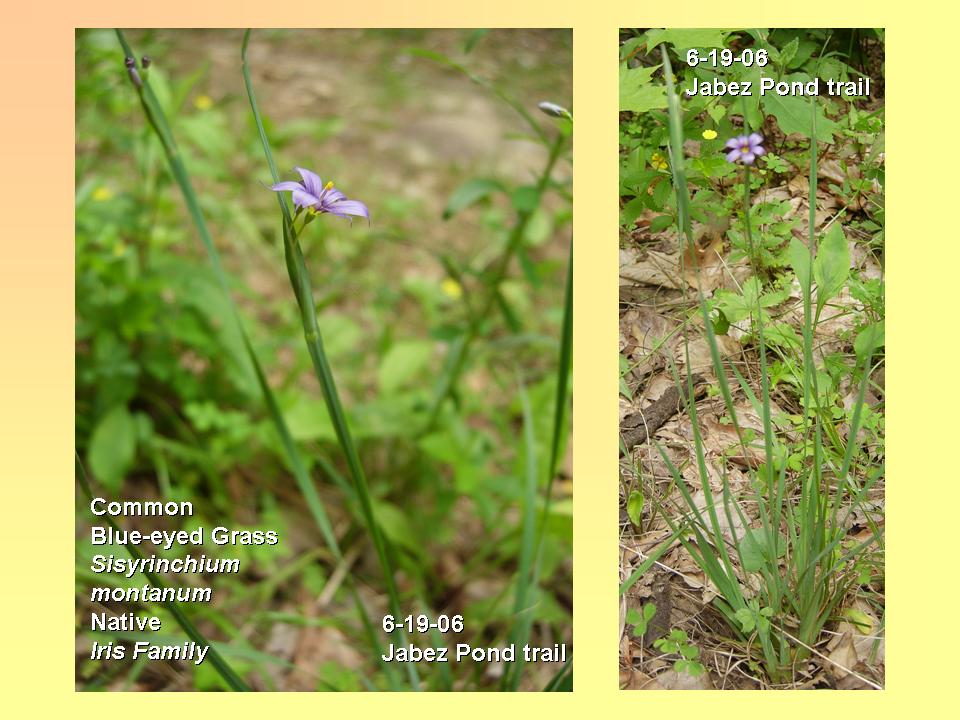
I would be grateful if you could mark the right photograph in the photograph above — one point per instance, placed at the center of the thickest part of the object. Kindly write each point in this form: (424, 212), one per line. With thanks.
(752, 402)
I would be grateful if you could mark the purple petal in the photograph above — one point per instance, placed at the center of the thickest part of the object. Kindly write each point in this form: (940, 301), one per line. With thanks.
(732, 143)
(755, 138)
(748, 158)
(333, 195)
(733, 155)
(759, 150)
(311, 181)
(286, 185)
(343, 208)
(303, 199)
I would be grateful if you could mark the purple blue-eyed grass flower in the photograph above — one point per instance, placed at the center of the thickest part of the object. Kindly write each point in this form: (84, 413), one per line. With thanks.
(745, 148)
(316, 198)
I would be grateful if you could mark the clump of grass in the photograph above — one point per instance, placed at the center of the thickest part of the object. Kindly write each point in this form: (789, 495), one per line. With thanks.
(798, 554)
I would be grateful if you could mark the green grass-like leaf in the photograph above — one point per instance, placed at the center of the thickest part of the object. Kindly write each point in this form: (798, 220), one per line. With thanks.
(300, 282)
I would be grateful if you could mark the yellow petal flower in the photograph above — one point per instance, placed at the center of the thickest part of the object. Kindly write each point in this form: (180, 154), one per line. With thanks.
(102, 194)
(709, 134)
(202, 102)
(451, 288)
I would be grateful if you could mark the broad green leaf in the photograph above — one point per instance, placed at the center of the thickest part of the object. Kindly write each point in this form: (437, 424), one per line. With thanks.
(308, 419)
(626, 50)
(660, 223)
(464, 454)
(832, 264)
(624, 388)
(781, 335)
(750, 105)
(789, 51)
(635, 506)
(798, 254)
(469, 193)
(832, 69)
(640, 619)
(793, 114)
(756, 551)
(525, 198)
(717, 111)
(631, 211)
(869, 339)
(683, 38)
(402, 362)
(712, 166)
(341, 335)
(638, 92)
(113, 447)
(746, 620)
(639, 75)
(860, 619)
(538, 228)
(735, 306)
(721, 323)
(396, 526)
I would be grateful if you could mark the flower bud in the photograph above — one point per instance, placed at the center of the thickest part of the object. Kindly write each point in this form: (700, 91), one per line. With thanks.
(145, 61)
(554, 110)
(132, 72)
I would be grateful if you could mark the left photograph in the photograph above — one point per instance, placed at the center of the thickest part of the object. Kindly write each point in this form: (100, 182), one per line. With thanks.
(323, 360)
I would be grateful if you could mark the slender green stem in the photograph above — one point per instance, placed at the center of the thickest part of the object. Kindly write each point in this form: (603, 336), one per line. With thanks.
(158, 122)
(459, 350)
(512, 677)
(300, 281)
(518, 107)
(525, 599)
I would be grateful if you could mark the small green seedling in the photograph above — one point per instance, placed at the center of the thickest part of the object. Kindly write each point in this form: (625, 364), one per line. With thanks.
(641, 618)
(677, 643)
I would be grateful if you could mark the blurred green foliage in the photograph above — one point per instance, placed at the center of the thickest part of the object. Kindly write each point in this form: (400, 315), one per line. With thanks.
(167, 404)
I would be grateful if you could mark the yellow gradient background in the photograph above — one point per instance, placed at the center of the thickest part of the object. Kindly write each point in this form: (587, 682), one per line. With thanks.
(36, 356)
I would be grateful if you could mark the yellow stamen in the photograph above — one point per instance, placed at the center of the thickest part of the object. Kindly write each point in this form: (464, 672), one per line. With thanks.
(328, 186)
